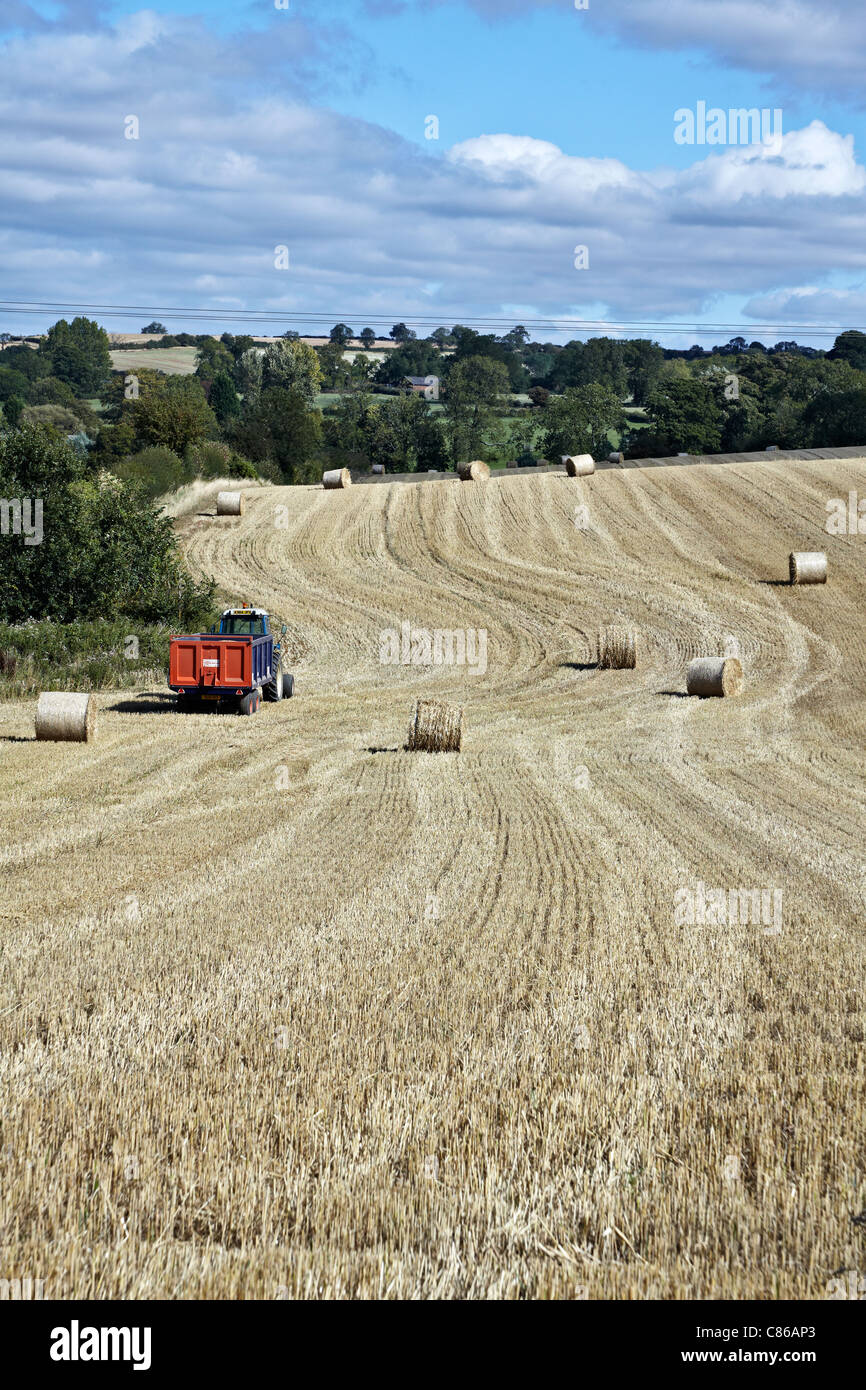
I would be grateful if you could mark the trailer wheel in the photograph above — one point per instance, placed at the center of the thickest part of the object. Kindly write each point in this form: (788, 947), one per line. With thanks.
(288, 685)
(274, 689)
(248, 704)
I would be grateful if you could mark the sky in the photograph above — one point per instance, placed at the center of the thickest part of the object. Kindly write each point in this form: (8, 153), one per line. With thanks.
(258, 165)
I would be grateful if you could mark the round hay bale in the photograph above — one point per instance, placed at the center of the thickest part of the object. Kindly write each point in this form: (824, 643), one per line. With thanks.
(714, 675)
(230, 504)
(66, 717)
(435, 728)
(616, 458)
(617, 649)
(474, 472)
(807, 567)
(337, 477)
(378, 468)
(578, 465)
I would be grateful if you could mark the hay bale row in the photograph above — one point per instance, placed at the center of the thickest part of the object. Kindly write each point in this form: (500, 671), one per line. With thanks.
(230, 504)
(474, 472)
(435, 728)
(336, 477)
(63, 716)
(807, 567)
(578, 465)
(714, 675)
(617, 649)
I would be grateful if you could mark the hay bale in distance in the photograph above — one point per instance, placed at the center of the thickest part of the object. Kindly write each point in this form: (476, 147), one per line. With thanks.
(66, 717)
(617, 649)
(377, 468)
(714, 675)
(807, 567)
(578, 465)
(474, 472)
(230, 504)
(616, 458)
(435, 728)
(337, 477)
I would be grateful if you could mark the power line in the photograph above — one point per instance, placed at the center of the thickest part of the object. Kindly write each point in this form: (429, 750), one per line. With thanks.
(258, 316)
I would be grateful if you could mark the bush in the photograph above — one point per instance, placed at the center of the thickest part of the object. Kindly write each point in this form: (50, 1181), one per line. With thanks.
(157, 470)
(98, 655)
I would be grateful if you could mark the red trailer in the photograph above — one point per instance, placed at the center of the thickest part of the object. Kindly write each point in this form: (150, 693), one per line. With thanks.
(235, 664)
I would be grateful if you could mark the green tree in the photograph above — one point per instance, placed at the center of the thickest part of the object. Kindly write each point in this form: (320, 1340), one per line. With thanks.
(248, 373)
(224, 398)
(213, 357)
(292, 365)
(643, 360)
(78, 353)
(173, 412)
(579, 420)
(687, 415)
(105, 551)
(281, 428)
(850, 347)
(154, 327)
(836, 418)
(341, 334)
(13, 408)
(474, 395)
(367, 337)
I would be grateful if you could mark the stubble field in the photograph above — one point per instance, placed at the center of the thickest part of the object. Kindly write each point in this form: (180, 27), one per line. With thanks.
(286, 1010)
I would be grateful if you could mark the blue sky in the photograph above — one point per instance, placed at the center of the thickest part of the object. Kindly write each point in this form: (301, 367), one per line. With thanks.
(305, 127)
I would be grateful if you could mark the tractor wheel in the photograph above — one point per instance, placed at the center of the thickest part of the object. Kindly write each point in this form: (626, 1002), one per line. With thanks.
(288, 685)
(274, 688)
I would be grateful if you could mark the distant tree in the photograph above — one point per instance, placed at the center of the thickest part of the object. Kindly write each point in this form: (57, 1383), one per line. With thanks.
(539, 396)
(367, 337)
(13, 383)
(516, 338)
(834, 419)
(248, 373)
(77, 353)
(13, 409)
(294, 366)
(212, 357)
(687, 413)
(341, 334)
(401, 334)
(281, 428)
(643, 362)
(336, 373)
(417, 358)
(173, 412)
(440, 336)
(579, 420)
(474, 396)
(223, 399)
(291, 335)
(850, 347)
(154, 327)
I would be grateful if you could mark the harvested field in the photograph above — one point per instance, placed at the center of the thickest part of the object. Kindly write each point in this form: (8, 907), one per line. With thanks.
(287, 1010)
(176, 361)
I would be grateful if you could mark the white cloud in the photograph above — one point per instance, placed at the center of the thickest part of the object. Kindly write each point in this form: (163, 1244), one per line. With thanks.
(799, 42)
(192, 211)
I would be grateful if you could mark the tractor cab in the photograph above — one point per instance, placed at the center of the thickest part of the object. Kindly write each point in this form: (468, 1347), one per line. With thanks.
(244, 622)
